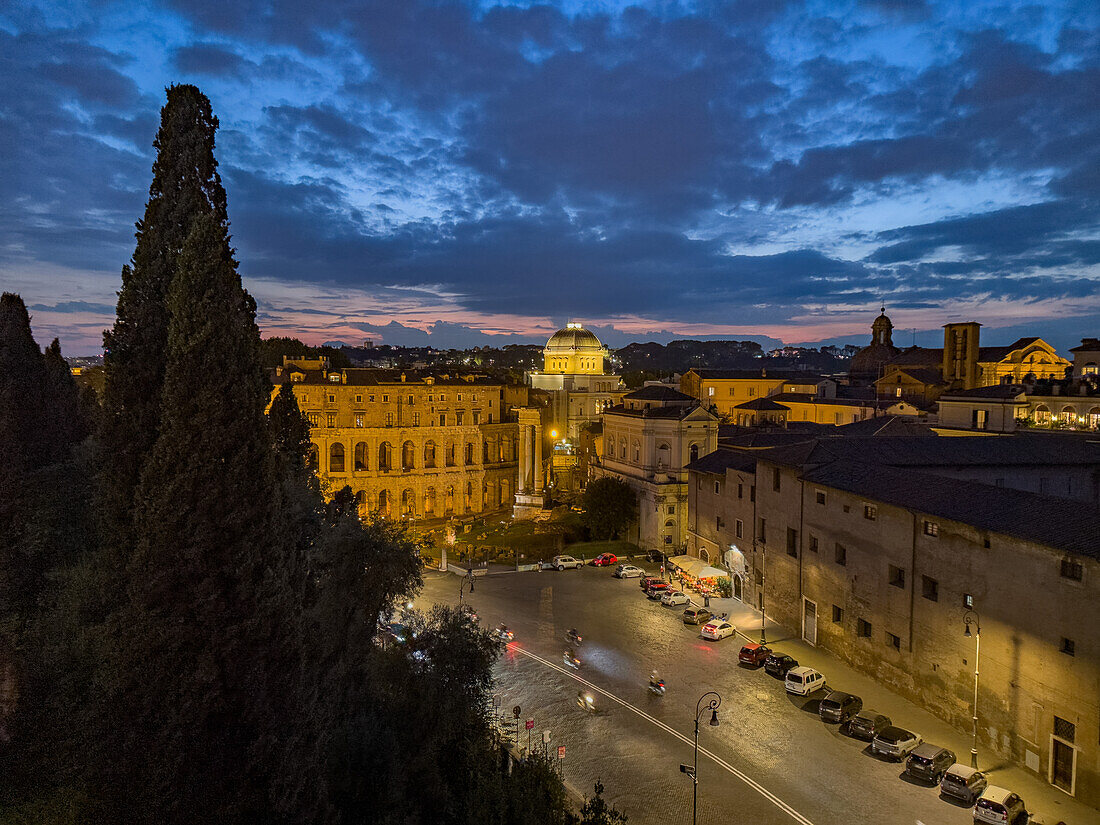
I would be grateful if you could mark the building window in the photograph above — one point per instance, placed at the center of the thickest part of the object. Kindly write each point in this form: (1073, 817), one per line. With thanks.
(1064, 729)
(870, 512)
(1068, 647)
(477, 416)
(841, 555)
(1073, 570)
(332, 399)
(314, 419)
(792, 542)
(820, 496)
(763, 531)
(740, 529)
(897, 576)
(416, 419)
(968, 601)
(740, 490)
(846, 508)
(459, 414)
(672, 509)
(389, 419)
(752, 391)
(460, 396)
(336, 458)
(370, 398)
(775, 479)
(718, 488)
(863, 628)
(330, 420)
(752, 492)
(443, 419)
(359, 419)
(358, 399)
(931, 528)
(385, 399)
(893, 640)
(838, 614)
(813, 544)
(930, 588)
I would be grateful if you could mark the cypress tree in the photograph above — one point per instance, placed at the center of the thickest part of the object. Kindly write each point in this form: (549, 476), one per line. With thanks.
(185, 186)
(289, 430)
(204, 653)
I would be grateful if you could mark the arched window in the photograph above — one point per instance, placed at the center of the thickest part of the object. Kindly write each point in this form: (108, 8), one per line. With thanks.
(384, 503)
(469, 453)
(704, 555)
(485, 501)
(449, 501)
(637, 452)
(429, 502)
(1094, 418)
(361, 503)
(468, 497)
(1042, 415)
(451, 455)
(408, 503)
(336, 458)
(385, 457)
(484, 452)
(505, 492)
(694, 452)
(1068, 416)
(360, 459)
(664, 455)
(429, 454)
(408, 455)
(622, 448)
(313, 457)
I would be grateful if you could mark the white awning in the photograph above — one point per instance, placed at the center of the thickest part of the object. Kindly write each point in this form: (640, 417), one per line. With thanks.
(696, 567)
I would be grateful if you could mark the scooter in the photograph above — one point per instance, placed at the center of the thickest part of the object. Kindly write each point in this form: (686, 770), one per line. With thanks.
(586, 702)
(573, 636)
(504, 633)
(657, 687)
(570, 660)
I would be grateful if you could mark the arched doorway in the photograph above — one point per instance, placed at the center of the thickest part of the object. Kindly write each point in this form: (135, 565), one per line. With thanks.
(359, 461)
(384, 503)
(408, 456)
(408, 505)
(385, 456)
(336, 458)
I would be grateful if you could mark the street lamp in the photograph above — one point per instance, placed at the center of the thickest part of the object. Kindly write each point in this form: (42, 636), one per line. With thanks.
(971, 618)
(692, 770)
(763, 577)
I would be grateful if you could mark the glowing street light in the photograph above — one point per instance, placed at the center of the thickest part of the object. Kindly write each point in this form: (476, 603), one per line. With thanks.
(971, 618)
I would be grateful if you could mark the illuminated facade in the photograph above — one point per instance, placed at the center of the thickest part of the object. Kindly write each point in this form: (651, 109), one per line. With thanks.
(413, 446)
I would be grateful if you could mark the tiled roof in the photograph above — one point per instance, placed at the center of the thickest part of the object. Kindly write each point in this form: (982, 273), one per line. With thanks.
(925, 375)
(784, 375)
(1069, 526)
(960, 451)
(655, 393)
(998, 391)
(654, 412)
(361, 377)
(718, 461)
(988, 354)
(808, 398)
(760, 404)
(1087, 345)
(890, 425)
(918, 357)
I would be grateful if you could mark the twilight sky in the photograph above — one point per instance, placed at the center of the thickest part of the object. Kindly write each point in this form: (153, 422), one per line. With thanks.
(463, 173)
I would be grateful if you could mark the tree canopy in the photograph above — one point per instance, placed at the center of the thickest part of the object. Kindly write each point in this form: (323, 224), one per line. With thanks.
(610, 507)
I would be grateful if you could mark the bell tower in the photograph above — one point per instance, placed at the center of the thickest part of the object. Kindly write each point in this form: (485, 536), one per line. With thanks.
(882, 331)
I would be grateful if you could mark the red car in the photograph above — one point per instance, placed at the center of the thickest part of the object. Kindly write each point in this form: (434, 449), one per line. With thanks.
(657, 589)
(753, 654)
(646, 581)
(605, 560)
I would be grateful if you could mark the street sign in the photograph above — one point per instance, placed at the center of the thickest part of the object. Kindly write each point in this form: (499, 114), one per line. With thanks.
(516, 711)
(561, 751)
(496, 700)
(546, 736)
(530, 724)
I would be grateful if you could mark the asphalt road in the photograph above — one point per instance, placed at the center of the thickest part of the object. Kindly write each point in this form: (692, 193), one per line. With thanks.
(770, 760)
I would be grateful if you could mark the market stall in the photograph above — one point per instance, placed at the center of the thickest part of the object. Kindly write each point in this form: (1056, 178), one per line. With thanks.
(696, 574)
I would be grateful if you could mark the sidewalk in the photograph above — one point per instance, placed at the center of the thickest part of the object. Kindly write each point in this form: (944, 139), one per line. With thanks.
(1047, 804)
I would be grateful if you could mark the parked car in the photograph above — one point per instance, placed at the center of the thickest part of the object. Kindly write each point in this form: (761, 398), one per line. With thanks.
(672, 598)
(802, 681)
(657, 589)
(648, 580)
(929, 762)
(697, 615)
(779, 663)
(562, 562)
(628, 571)
(867, 724)
(963, 782)
(604, 560)
(839, 707)
(655, 556)
(753, 655)
(717, 629)
(895, 743)
(1000, 806)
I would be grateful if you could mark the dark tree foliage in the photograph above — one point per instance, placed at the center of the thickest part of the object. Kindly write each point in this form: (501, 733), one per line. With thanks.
(289, 430)
(186, 185)
(596, 811)
(273, 349)
(610, 507)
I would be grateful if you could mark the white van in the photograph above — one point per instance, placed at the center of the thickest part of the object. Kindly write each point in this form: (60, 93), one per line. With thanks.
(802, 681)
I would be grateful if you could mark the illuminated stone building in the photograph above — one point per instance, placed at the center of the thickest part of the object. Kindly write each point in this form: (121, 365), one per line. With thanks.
(875, 549)
(416, 446)
(648, 440)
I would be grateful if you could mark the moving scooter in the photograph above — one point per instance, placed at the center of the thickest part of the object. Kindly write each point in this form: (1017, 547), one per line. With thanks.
(570, 660)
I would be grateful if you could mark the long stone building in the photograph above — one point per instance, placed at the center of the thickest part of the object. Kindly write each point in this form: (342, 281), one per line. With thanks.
(876, 549)
(417, 446)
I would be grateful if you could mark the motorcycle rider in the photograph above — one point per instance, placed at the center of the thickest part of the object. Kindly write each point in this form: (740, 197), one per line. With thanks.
(655, 684)
(573, 635)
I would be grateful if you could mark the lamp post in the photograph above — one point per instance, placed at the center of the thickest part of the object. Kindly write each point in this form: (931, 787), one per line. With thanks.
(763, 577)
(692, 770)
(971, 618)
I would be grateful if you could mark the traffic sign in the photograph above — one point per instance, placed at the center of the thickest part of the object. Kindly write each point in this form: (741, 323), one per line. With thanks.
(561, 751)
(516, 711)
(530, 724)
(546, 736)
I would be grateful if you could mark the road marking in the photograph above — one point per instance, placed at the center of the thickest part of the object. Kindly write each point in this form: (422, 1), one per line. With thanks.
(752, 783)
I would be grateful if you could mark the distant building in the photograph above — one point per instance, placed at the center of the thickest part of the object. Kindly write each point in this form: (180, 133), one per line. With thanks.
(723, 390)
(414, 446)
(647, 441)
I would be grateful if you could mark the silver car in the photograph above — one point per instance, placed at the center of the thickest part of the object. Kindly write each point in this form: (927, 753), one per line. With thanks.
(895, 743)
(628, 571)
(963, 782)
